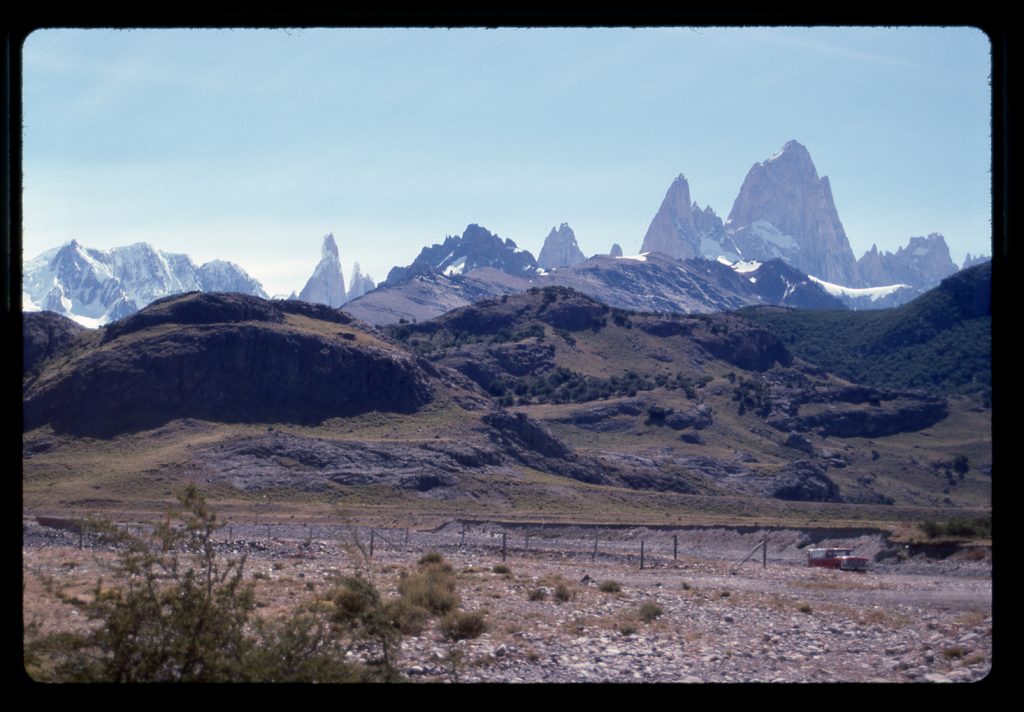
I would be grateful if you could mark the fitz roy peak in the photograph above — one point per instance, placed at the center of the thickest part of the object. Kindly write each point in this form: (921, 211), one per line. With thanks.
(785, 210)
(326, 285)
(97, 287)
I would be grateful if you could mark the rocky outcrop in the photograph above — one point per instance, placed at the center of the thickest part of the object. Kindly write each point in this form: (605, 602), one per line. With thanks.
(785, 210)
(560, 249)
(326, 285)
(751, 348)
(312, 464)
(805, 481)
(227, 358)
(616, 250)
(527, 434)
(890, 418)
(799, 442)
(488, 364)
(698, 418)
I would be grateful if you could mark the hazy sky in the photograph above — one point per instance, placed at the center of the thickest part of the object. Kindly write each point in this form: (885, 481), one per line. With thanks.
(250, 145)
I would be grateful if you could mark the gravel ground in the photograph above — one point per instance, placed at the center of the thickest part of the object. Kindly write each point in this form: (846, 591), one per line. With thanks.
(908, 620)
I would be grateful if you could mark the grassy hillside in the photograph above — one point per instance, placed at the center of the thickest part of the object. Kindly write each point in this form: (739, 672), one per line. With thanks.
(941, 342)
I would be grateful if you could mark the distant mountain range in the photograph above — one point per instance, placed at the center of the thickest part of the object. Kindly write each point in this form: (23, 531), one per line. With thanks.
(785, 210)
(96, 287)
(479, 264)
(783, 240)
(782, 244)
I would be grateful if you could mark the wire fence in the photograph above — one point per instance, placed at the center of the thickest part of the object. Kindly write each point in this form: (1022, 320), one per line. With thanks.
(641, 546)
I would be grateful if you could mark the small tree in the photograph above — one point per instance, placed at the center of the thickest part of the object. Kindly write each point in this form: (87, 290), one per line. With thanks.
(174, 613)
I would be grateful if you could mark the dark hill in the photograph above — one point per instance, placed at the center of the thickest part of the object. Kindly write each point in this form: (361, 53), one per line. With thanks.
(941, 342)
(224, 357)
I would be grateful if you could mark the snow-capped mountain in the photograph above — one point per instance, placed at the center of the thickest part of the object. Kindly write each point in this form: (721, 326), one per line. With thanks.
(326, 285)
(96, 287)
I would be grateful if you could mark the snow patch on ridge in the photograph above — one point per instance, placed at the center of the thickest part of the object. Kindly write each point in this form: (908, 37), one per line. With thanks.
(872, 293)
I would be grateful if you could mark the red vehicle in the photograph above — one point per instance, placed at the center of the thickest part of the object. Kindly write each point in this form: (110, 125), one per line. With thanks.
(836, 558)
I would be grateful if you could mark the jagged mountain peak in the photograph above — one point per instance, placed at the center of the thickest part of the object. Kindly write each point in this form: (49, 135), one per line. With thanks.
(785, 210)
(329, 248)
(560, 249)
(477, 247)
(922, 263)
(326, 285)
(792, 151)
(359, 284)
(682, 230)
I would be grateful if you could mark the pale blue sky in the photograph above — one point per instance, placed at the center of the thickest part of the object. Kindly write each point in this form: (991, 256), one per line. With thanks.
(249, 145)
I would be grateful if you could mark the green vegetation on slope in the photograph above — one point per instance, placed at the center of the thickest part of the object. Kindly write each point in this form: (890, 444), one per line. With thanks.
(941, 342)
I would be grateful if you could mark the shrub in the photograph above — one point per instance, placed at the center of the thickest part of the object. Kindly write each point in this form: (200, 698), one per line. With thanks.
(649, 611)
(563, 593)
(431, 587)
(610, 587)
(805, 608)
(954, 652)
(458, 625)
(627, 629)
(537, 594)
(431, 557)
(176, 612)
(407, 617)
(501, 569)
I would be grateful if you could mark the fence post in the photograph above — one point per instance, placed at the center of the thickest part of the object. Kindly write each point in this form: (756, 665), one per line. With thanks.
(675, 547)
(407, 536)
(373, 532)
(504, 545)
(462, 538)
(594, 555)
(764, 554)
(641, 554)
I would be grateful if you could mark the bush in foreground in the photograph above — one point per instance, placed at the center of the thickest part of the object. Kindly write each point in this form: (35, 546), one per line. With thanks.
(175, 611)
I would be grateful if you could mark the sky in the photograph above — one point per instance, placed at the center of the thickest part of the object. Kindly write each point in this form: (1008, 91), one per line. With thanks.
(250, 145)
